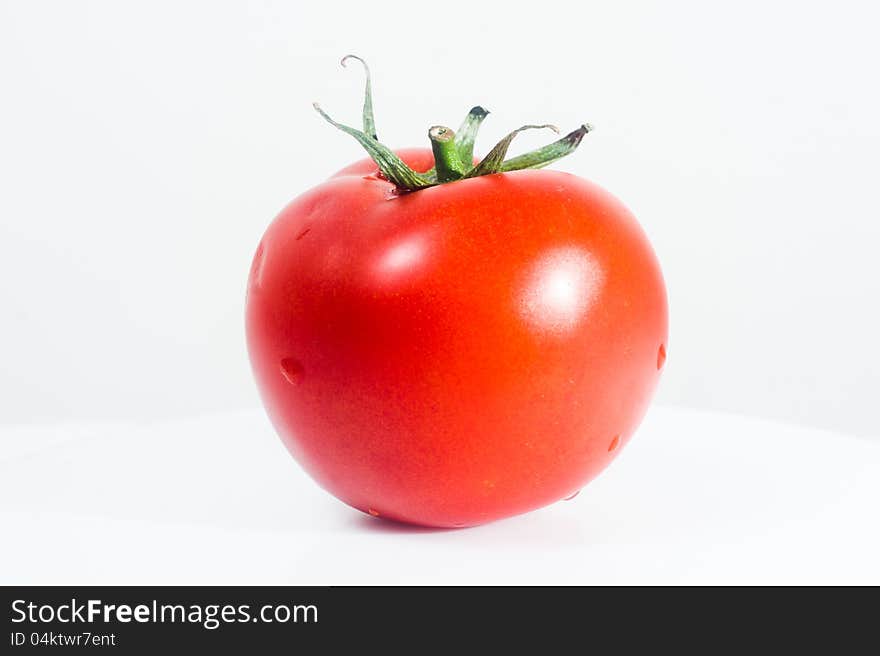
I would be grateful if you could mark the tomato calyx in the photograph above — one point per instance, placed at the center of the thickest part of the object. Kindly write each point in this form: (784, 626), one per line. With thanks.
(453, 151)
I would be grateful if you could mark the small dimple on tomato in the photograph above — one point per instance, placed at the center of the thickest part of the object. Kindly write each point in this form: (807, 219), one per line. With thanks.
(463, 353)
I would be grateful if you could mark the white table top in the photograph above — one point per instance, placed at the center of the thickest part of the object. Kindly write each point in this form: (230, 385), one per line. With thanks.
(695, 498)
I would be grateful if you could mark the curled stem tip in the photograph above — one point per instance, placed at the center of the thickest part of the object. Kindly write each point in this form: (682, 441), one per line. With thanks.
(368, 120)
(345, 59)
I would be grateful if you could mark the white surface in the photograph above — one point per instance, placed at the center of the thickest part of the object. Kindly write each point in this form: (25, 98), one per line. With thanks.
(695, 498)
(144, 147)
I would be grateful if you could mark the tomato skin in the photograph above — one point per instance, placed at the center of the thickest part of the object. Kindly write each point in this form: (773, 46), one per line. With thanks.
(459, 354)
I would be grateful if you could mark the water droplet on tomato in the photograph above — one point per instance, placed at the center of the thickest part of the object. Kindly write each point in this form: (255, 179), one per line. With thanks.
(614, 443)
(374, 513)
(292, 370)
(661, 356)
(572, 496)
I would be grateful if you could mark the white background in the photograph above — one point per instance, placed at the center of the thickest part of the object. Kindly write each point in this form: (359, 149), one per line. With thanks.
(144, 147)
(698, 498)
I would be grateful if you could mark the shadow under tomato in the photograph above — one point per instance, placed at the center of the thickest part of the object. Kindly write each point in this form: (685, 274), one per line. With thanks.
(382, 525)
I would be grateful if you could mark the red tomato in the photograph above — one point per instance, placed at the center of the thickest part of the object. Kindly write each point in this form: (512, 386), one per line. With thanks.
(460, 354)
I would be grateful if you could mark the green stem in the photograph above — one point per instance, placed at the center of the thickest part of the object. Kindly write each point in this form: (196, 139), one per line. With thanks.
(447, 161)
(369, 122)
(467, 134)
(391, 166)
(493, 162)
(465, 137)
(548, 154)
(453, 153)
